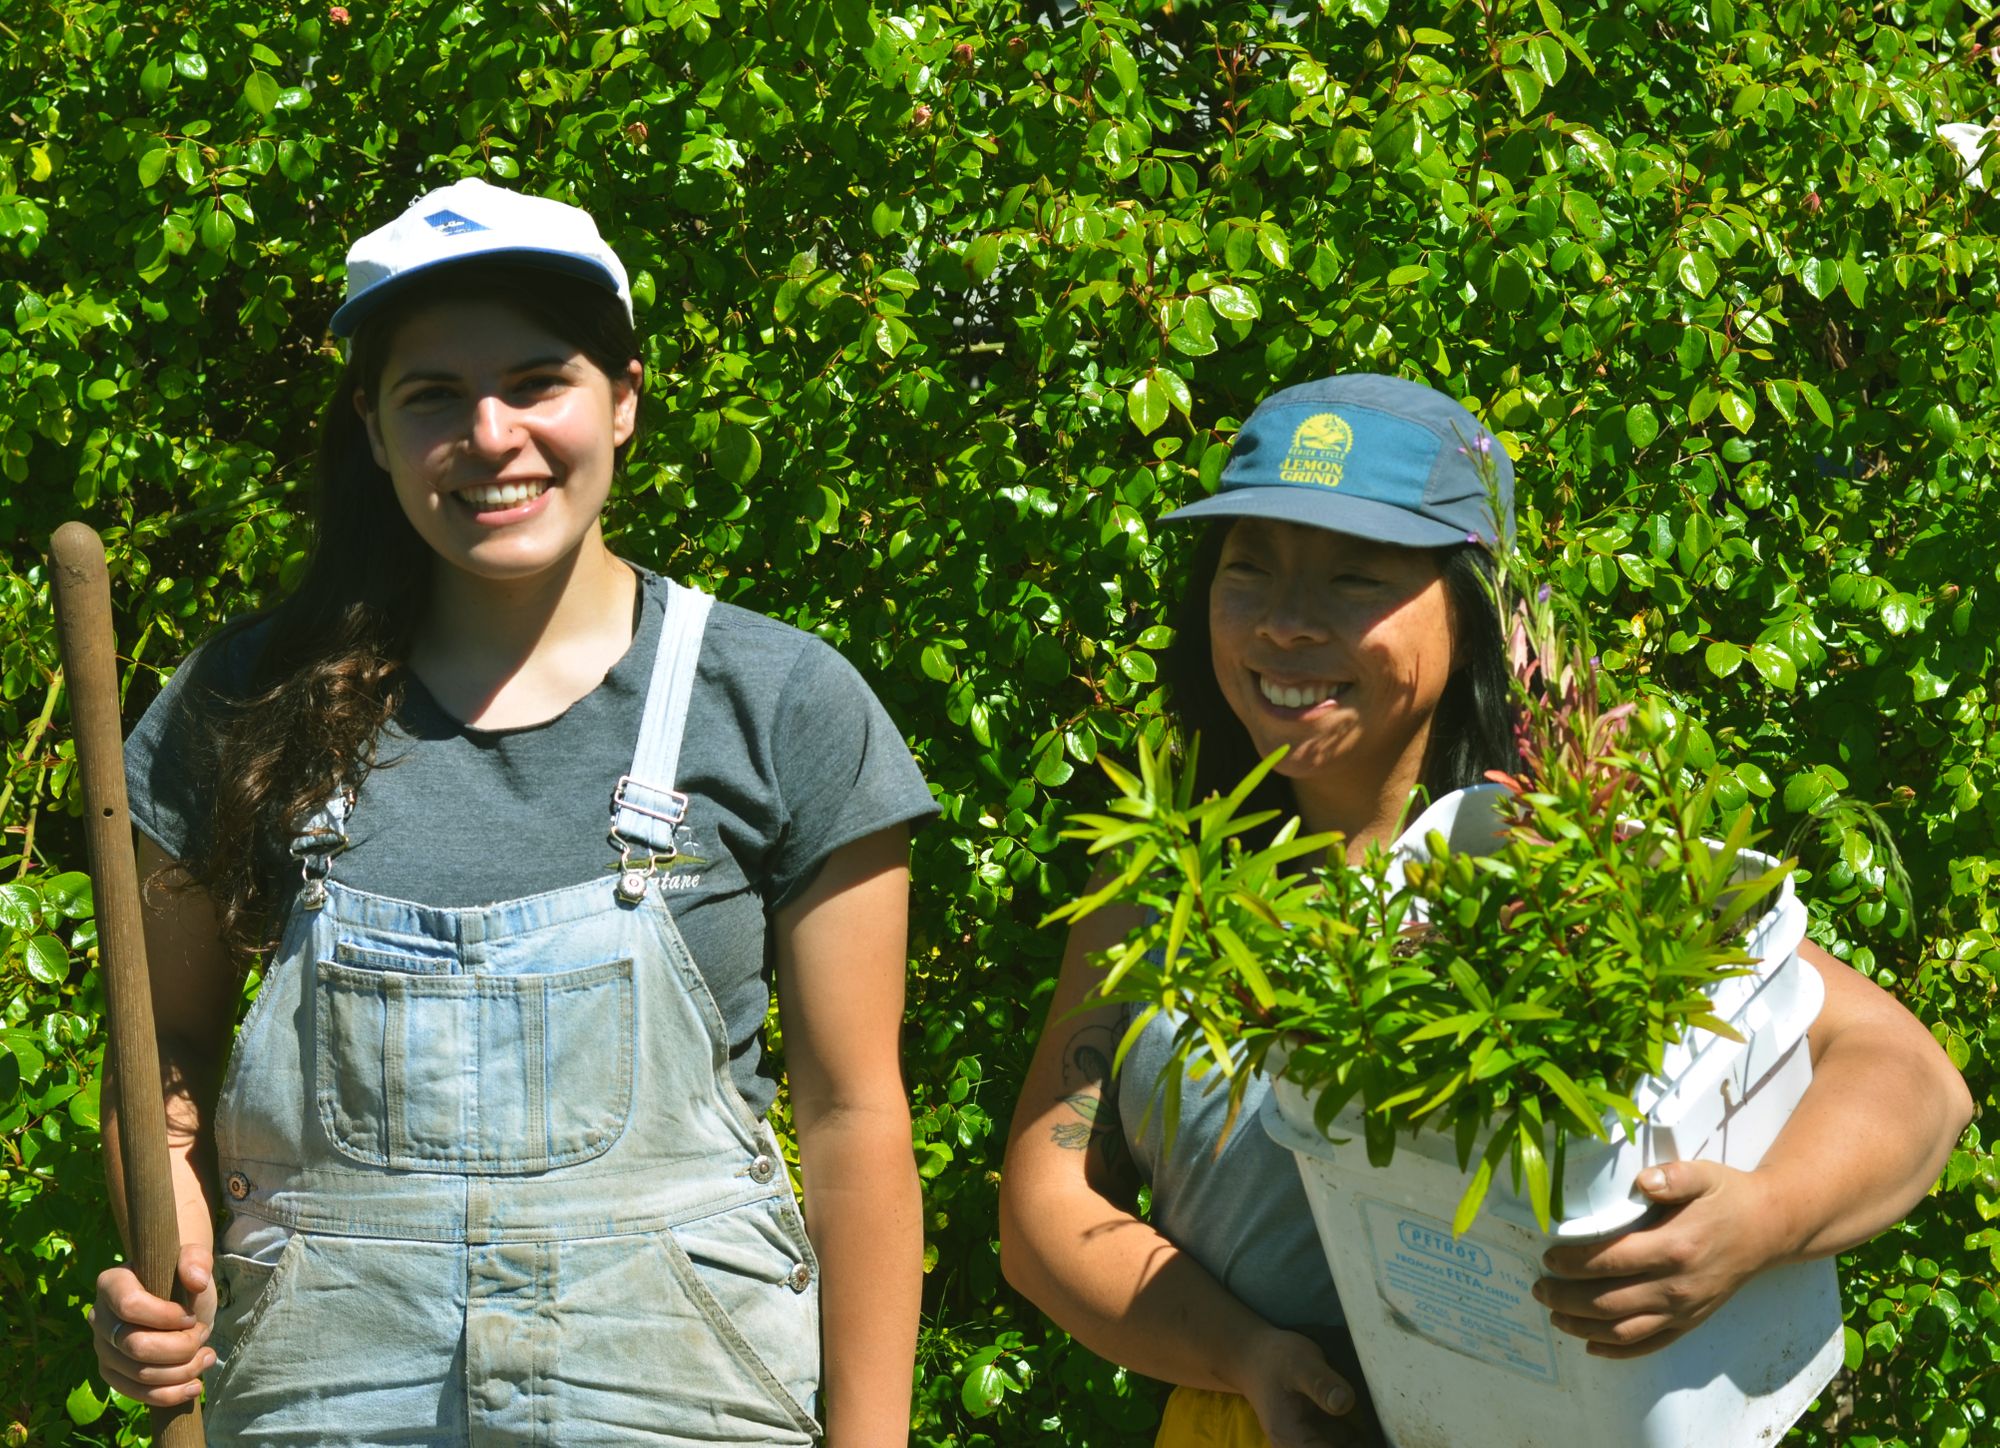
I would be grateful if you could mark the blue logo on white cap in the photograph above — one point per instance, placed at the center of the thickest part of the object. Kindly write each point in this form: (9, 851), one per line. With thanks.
(451, 223)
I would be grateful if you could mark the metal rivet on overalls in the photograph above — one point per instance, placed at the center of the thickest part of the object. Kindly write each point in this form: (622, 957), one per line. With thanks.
(239, 1185)
(801, 1278)
(632, 886)
(313, 896)
(762, 1170)
(225, 1289)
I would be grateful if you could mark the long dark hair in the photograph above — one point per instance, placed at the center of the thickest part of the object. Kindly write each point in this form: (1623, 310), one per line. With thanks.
(328, 674)
(1471, 732)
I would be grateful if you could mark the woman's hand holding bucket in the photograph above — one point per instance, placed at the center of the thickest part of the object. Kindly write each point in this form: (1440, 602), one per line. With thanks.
(1635, 1293)
(1297, 1397)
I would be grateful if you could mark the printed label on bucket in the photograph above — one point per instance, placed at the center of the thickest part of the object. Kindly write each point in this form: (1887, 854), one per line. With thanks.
(1468, 1296)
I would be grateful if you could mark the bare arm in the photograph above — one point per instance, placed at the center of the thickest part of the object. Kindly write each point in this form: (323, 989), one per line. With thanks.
(1863, 1146)
(840, 963)
(1072, 1243)
(1877, 1125)
(148, 1348)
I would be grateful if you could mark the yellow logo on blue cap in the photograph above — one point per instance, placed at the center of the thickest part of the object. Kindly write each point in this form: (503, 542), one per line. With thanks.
(1319, 451)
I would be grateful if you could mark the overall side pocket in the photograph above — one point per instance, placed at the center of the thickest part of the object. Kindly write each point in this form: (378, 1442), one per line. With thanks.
(245, 1290)
(758, 1282)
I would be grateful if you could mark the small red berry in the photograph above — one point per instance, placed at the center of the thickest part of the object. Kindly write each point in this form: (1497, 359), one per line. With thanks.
(920, 118)
(337, 14)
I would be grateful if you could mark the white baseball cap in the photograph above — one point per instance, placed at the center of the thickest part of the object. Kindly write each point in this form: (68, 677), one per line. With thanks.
(472, 221)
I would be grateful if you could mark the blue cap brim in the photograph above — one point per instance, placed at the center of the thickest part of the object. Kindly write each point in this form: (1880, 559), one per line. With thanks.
(356, 310)
(1325, 508)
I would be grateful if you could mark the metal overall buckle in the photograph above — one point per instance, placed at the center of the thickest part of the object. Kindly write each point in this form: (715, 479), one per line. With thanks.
(317, 865)
(633, 878)
(316, 848)
(636, 870)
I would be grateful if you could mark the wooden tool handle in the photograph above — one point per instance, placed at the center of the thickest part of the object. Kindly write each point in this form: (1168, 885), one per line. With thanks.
(82, 591)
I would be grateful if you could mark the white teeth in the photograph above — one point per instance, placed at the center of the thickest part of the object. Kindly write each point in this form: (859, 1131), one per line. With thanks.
(506, 495)
(1288, 697)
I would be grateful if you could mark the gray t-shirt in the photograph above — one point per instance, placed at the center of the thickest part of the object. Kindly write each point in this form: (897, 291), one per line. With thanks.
(787, 757)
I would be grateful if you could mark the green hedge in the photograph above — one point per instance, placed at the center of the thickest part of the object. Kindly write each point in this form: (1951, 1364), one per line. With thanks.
(944, 307)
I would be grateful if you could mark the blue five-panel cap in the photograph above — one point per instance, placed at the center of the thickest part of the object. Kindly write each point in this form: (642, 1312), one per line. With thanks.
(1373, 456)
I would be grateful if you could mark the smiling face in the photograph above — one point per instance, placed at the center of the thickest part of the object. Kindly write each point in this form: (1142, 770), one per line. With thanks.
(499, 436)
(1338, 648)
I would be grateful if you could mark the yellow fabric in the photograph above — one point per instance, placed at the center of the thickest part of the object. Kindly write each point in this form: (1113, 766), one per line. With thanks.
(1198, 1418)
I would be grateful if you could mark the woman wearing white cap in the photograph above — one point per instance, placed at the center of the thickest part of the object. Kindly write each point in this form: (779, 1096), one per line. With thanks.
(528, 833)
(1337, 606)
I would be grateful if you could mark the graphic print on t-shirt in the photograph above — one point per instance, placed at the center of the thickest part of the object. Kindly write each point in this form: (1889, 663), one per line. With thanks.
(682, 872)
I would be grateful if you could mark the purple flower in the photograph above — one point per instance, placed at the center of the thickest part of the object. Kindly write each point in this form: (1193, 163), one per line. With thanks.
(1472, 537)
(1484, 444)
(1542, 595)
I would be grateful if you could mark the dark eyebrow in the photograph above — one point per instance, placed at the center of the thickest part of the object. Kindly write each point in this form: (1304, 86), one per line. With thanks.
(532, 364)
(540, 364)
(420, 375)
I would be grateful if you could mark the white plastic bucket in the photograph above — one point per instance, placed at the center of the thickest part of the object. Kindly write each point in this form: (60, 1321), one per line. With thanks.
(1456, 1351)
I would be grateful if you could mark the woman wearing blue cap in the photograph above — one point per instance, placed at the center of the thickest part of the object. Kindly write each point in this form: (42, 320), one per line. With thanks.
(1338, 605)
(528, 833)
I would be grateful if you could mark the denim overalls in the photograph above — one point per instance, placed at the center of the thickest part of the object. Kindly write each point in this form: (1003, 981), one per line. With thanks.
(525, 1201)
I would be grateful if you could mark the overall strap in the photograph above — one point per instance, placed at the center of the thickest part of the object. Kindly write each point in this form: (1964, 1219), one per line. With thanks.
(317, 842)
(645, 806)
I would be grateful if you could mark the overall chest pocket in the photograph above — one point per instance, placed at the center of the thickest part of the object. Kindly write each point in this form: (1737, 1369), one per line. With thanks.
(499, 1074)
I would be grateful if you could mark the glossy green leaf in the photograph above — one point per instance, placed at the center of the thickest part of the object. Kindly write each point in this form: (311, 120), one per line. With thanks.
(737, 454)
(1737, 408)
(260, 92)
(1816, 400)
(1146, 403)
(1803, 791)
(1697, 272)
(1237, 303)
(1123, 66)
(20, 907)
(218, 229)
(85, 1405)
(1774, 665)
(46, 959)
(1525, 87)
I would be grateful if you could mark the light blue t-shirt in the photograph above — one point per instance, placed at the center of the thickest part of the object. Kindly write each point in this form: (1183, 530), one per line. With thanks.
(1243, 1213)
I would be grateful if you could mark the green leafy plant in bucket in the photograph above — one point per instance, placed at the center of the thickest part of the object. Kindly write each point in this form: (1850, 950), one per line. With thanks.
(1511, 998)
